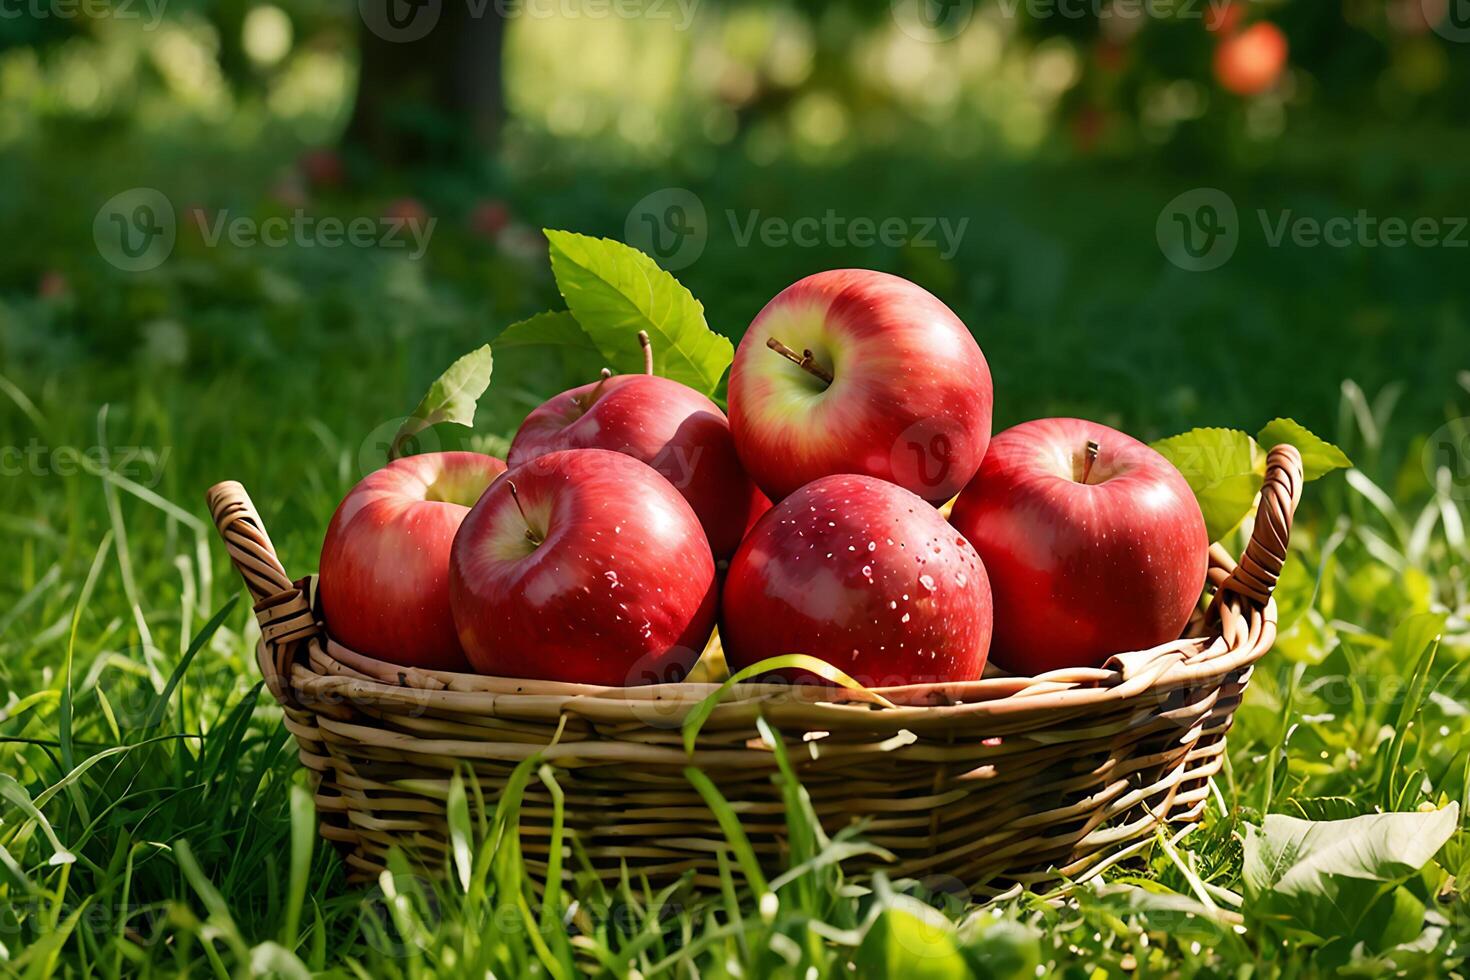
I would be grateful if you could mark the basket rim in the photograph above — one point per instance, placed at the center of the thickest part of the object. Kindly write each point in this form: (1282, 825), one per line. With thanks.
(303, 665)
(1186, 661)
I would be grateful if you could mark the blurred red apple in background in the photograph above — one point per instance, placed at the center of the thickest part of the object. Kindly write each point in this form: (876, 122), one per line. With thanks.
(322, 167)
(671, 427)
(1223, 19)
(583, 566)
(1094, 543)
(53, 283)
(408, 209)
(1252, 61)
(864, 575)
(289, 192)
(489, 218)
(384, 580)
(853, 371)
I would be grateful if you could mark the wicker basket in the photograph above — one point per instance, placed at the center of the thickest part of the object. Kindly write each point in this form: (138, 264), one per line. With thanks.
(999, 783)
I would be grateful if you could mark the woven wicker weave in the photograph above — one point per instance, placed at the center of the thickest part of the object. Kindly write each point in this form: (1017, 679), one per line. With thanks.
(999, 783)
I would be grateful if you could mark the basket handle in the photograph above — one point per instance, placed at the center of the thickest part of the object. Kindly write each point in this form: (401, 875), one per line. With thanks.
(1254, 577)
(283, 606)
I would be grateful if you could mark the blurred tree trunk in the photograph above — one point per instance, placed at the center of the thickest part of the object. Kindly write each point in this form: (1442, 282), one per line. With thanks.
(435, 98)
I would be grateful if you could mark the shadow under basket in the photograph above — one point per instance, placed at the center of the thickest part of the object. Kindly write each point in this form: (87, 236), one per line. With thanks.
(999, 783)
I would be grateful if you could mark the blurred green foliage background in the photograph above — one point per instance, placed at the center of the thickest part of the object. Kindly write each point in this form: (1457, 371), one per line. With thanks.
(1035, 157)
(1058, 131)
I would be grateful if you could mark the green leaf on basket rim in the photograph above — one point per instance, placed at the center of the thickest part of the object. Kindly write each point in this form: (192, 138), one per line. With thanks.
(613, 290)
(451, 398)
(696, 719)
(1224, 469)
(1319, 457)
(554, 328)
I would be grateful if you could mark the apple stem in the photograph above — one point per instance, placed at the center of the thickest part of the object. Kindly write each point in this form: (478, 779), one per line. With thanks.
(806, 360)
(585, 401)
(1089, 457)
(647, 346)
(531, 535)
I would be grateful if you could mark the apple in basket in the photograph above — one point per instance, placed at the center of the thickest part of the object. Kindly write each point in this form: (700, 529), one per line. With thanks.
(384, 581)
(853, 371)
(671, 427)
(864, 575)
(585, 566)
(1094, 542)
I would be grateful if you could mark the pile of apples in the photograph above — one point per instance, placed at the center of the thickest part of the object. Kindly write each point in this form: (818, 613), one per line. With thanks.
(634, 515)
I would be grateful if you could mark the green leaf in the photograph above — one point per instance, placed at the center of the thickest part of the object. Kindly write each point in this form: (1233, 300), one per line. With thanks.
(461, 837)
(1414, 641)
(159, 706)
(1319, 457)
(550, 329)
(1001, 948)
(1222, 468)
(729, 822)
(615, 291)
(15, 794)
(303, 839)
(451, 398)
(911, 940)
(1328, 877)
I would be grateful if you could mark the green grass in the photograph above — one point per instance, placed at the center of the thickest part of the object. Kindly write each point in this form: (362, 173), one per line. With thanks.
(153, 818)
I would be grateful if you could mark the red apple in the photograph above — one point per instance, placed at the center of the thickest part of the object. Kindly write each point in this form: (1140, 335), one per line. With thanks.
(583, 566)
(852, 371)
(1094, 543)
(1251, 62)
(384, 581)
(671, 427)
(864, 575)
